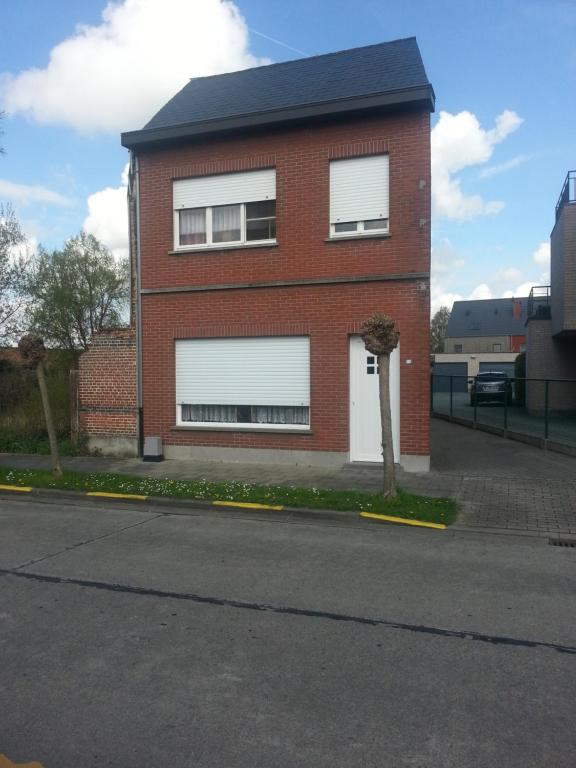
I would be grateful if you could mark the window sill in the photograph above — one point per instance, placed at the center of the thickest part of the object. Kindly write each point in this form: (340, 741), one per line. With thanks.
(347, 238)
(242, 428)
(231, 247)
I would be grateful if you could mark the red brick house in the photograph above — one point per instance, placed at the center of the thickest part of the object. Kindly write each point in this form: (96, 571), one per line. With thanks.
(274, 209)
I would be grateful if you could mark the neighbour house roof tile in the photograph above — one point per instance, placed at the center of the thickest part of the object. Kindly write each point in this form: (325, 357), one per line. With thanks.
(488, 317)
(384, 69)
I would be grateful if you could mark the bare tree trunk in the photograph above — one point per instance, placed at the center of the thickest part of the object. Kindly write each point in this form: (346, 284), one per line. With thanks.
(56, 470)
(386, 421)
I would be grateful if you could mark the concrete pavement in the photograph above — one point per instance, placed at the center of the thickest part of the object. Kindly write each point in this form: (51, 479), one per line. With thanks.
(135, 638)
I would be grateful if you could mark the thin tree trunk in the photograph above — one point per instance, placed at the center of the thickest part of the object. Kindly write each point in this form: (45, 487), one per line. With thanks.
(56, 470)
(386, 421)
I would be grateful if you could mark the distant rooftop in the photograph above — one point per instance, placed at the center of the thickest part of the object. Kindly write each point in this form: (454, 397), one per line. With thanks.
(488, 317)
(382, 75)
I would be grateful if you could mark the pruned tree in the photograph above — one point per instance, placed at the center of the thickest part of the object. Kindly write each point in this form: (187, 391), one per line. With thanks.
(438, 326)
(77, 292)
(33, 352)
(380, 338)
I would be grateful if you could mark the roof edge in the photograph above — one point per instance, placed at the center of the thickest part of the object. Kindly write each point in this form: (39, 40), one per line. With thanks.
(406, 97)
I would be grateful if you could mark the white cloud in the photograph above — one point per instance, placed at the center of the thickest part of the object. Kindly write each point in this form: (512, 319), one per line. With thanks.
(496, 170)
(116, 75)
(445, 258)
(458, 142)
(107, 217)
(541, 255)
(508, 274)
(440, 298)
(481, 291)
(26, 194)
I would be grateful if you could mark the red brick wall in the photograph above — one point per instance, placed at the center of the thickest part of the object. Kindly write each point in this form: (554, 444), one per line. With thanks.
(329, 312)
(107, 385)
(517, 342)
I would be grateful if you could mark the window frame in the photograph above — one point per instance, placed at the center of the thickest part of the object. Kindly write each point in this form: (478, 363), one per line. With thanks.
(210, 244)
(287, 400)
(236, 426)
(360, 231)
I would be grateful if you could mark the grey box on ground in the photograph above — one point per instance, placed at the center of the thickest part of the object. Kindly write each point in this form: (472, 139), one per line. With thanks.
(153, 450)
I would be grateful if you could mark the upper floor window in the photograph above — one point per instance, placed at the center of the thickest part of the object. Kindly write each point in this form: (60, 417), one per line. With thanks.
(225, 210)
(359, 196)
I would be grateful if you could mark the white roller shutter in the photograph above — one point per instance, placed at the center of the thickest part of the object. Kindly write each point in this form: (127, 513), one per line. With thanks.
(249, 371)
(225, 189)
(359, 189)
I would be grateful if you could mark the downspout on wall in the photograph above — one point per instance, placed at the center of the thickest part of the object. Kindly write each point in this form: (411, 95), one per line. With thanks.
(135, 285)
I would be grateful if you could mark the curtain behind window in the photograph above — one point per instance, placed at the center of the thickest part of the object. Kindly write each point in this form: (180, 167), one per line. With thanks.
(193, 226)
(226, 223)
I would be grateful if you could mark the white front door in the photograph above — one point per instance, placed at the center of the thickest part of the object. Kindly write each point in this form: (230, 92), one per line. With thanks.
(365, 429)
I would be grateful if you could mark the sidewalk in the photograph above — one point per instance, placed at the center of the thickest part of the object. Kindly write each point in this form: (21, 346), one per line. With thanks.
(499, 484)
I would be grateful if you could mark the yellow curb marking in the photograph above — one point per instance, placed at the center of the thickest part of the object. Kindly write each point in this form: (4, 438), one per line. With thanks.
(117, 495)
(23, 488)
(246, 505)
(402, 520)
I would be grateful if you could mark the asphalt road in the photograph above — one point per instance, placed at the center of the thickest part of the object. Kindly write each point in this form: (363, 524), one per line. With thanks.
(132, 638)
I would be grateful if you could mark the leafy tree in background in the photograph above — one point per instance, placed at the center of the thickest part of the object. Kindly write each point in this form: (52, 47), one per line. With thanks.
(77, 292)
(12, 271)
(438, 326)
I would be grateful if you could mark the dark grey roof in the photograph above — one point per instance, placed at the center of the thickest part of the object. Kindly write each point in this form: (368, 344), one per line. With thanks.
(375, 75)
(487, 317)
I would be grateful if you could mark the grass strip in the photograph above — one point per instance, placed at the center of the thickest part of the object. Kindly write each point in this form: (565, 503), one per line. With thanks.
(405, 505)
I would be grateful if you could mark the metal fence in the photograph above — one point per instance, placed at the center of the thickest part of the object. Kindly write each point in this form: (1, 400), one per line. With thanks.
(542, 411)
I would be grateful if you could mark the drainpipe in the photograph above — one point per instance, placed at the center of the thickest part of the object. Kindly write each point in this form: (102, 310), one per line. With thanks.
(136, 198)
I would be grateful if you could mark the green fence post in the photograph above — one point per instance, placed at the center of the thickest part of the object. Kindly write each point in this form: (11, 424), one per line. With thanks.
(451, 395)
(505, 407)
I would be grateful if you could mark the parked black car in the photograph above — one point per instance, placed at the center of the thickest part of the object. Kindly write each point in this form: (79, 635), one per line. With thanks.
(491, 387)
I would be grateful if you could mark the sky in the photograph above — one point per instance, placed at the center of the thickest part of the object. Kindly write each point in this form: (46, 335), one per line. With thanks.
(75, 73)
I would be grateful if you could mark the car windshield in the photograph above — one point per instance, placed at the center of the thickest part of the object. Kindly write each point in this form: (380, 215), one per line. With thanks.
(492, 376)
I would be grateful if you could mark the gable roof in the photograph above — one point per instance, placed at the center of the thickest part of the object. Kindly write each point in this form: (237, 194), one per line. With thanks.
(382, 75)
(488, 317)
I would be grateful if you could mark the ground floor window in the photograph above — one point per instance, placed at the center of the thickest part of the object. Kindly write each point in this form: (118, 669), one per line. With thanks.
(254, 383)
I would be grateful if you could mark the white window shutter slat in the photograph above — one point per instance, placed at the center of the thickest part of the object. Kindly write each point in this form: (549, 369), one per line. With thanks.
(248, 371)
(225, 189)
(359, 189)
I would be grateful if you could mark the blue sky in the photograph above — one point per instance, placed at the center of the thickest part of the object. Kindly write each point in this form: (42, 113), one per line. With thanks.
(504, 72)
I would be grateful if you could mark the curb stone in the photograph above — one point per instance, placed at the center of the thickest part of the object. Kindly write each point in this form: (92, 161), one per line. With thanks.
(192, 506)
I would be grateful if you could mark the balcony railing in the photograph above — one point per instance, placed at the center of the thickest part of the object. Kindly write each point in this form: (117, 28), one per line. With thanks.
(539, 302)
(568, 194)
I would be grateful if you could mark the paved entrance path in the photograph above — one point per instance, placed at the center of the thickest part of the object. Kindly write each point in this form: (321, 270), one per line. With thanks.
(500, 484)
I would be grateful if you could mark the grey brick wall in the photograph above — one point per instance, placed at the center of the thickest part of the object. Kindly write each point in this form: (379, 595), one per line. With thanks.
(549, 358)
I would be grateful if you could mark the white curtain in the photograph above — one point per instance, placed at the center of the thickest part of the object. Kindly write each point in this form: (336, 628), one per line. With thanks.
(225, 223)
(278, 414)
(221, 414)
(193, 226)
(259, 414)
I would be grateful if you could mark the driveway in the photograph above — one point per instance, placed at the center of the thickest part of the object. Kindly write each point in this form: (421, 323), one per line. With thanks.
(134, 638)
(502, 485)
